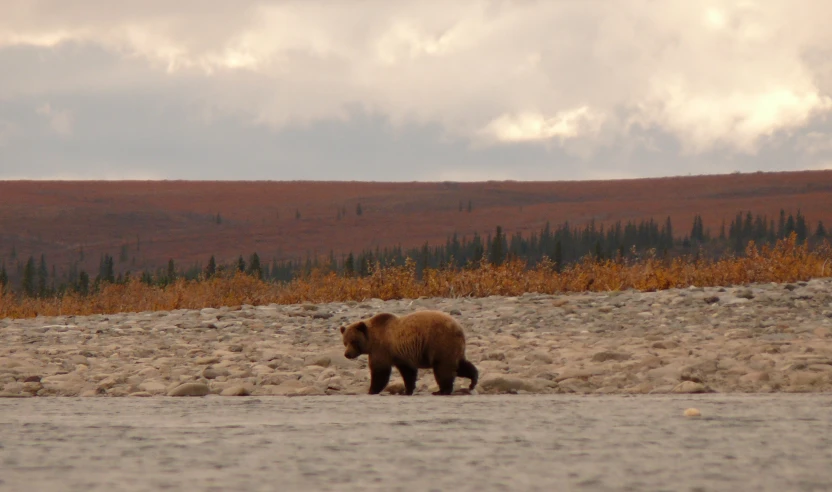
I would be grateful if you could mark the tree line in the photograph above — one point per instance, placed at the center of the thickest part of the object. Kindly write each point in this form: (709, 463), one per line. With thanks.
(562, 245)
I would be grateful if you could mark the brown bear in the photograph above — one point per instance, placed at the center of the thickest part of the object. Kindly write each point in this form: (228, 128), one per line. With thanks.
(420, 340)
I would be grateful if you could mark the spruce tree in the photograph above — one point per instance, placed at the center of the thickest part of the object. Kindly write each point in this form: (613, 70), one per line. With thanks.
(497, 252)
(83, 283)
(28, 281)
(43, 274)
(254, 268)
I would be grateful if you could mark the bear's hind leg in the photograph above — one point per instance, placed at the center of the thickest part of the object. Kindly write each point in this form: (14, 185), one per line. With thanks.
(409, 375)
(445, 375)
(468, 370)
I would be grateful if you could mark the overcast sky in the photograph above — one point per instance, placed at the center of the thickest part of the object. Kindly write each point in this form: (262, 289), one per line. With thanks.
(413, 90)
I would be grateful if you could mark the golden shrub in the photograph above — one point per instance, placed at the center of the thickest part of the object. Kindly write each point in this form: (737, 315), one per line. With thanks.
(786, 261)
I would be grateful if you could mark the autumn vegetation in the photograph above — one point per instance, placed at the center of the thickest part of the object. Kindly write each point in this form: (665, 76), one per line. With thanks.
(787, 260)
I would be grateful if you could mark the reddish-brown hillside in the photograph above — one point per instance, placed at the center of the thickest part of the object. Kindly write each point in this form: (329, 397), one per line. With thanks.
(144, 223)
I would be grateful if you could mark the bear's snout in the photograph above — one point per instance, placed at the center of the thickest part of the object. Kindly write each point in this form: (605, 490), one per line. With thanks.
(351, 353)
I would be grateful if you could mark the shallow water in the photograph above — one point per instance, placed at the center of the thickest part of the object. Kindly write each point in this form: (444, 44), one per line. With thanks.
(507, 442)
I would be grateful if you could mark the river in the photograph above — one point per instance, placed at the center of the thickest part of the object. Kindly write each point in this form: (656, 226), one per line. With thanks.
(777, 442)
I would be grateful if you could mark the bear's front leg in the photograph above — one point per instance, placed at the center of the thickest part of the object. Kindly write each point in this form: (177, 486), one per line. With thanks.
(379, 376)
(409, 375)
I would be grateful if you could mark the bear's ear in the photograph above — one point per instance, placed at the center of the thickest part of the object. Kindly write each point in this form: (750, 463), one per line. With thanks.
(362, 327)
(343, 330)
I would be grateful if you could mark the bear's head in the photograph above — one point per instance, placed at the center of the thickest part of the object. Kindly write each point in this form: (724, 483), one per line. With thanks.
(356, 339)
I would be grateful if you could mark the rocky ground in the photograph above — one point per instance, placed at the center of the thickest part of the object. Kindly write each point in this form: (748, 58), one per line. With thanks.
(756, 338)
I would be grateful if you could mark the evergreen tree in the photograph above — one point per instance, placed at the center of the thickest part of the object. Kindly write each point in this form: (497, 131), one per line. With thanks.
(241, 264)
(4, 278)
(819, 232)
(43, 275)
(171, 274)
(254, 268)
(558, 257)
(211, 269)
(28, 280)
(497, 250)
(349, 265)
(106, 269)
(800, 227)
(781, 226)
(790, 225)
(83, 283)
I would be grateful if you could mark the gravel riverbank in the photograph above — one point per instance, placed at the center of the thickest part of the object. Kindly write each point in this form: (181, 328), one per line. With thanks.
(759, 338)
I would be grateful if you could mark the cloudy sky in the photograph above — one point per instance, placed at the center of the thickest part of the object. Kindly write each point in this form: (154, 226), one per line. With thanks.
(413, 90)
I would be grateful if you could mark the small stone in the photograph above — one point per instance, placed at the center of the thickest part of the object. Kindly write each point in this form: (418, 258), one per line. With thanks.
(754, 377)
(395, 388)
(500, 384)
(805, 378)
(540, 357)
(737, 334)
(236, 390)
(690, 387)
(693, 412)
(235, 348)
(495, 355)
(9, 394)
(605, 356)
(711, 299)
(667, 344)
(691, 374)
(153, 387)
(214, 373)
(578, 373)
(323, 361)
(455, 312)
(190, 389)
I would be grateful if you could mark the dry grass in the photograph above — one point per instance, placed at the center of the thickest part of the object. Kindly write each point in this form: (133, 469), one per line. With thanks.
(785, 262)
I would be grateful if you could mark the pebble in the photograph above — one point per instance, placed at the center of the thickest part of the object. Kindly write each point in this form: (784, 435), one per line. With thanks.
(693, 412)
(190, 389)
(750, 338)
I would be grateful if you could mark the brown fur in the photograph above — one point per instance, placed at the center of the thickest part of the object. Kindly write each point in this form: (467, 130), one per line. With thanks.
(420, 340)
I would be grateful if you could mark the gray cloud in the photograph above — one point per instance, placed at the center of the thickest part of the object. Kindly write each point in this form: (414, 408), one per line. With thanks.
(412, 90)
